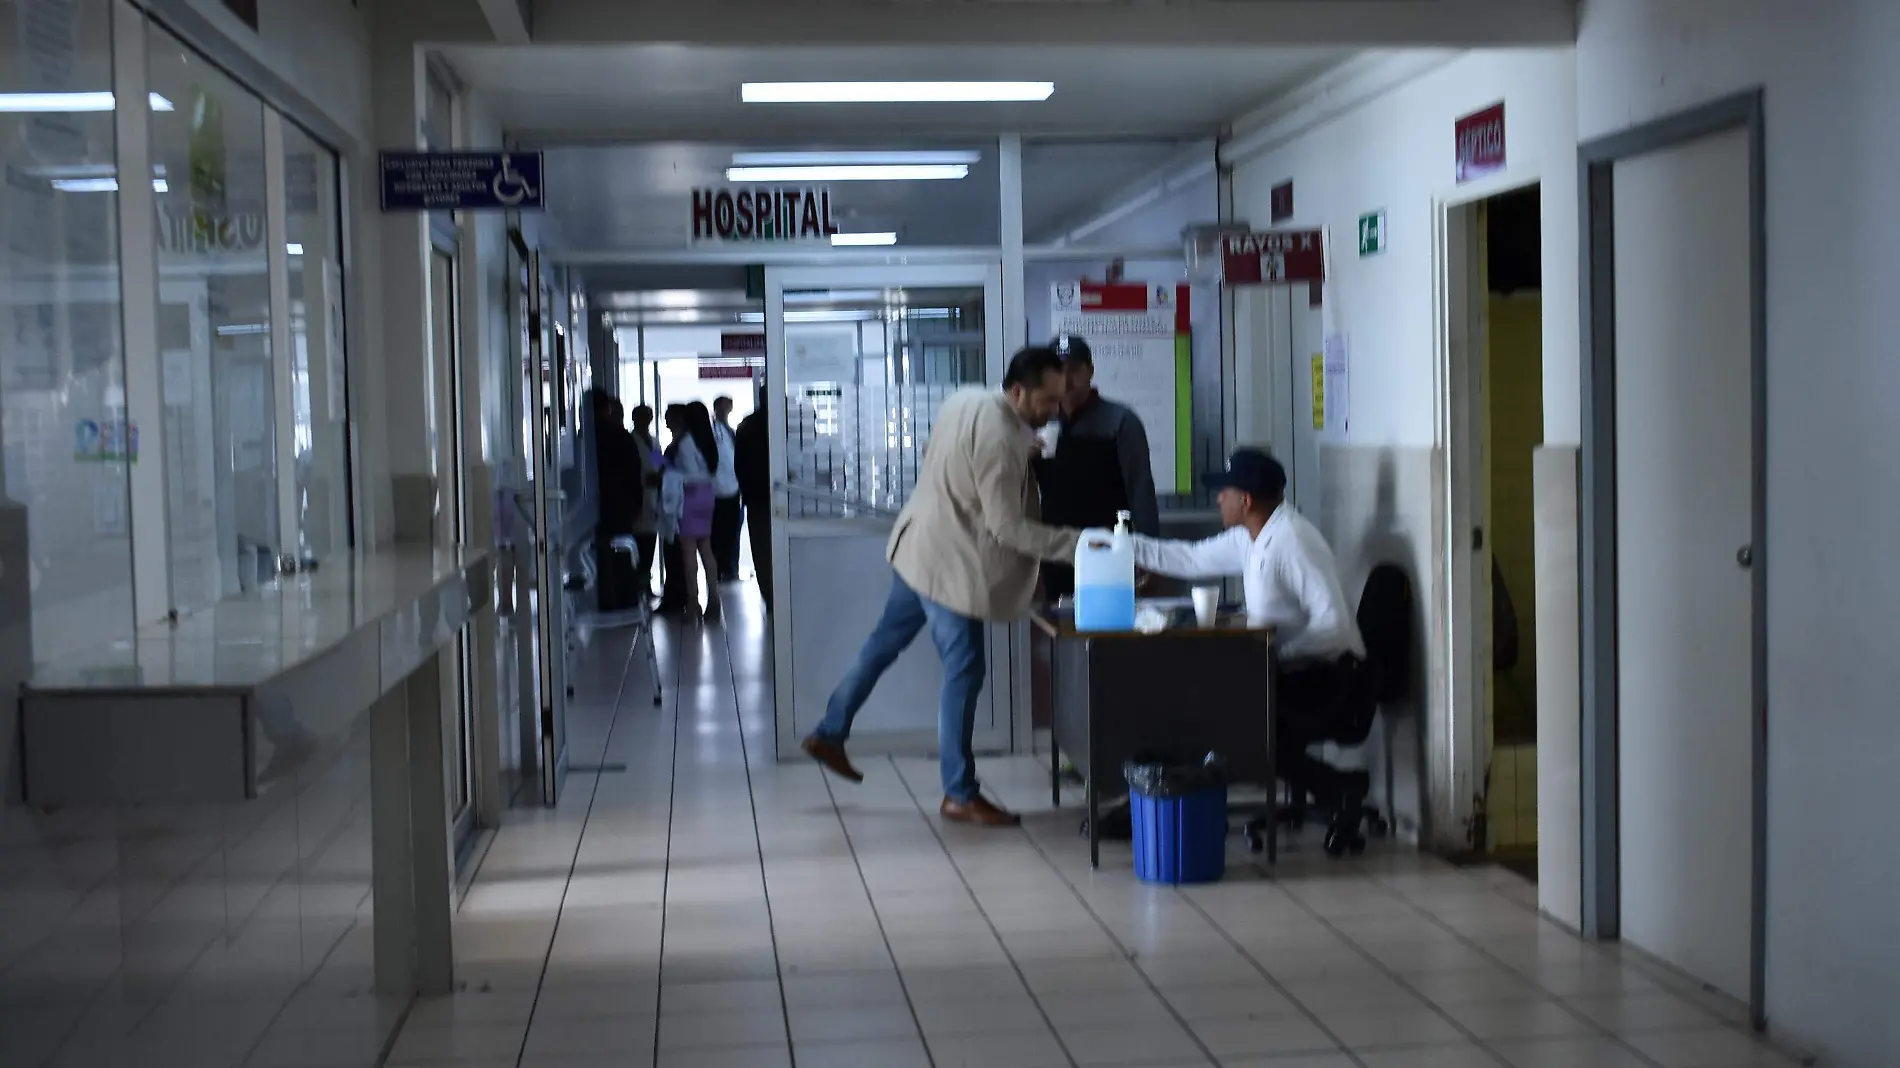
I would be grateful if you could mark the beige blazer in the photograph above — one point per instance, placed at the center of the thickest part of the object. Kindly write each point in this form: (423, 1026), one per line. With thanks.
(971, 537)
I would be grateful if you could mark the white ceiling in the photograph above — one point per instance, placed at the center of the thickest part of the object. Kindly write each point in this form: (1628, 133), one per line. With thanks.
(632, 129)
(630, 92)
(615, 197)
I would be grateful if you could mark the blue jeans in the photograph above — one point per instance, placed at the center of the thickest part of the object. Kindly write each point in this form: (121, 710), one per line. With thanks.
(959, 641)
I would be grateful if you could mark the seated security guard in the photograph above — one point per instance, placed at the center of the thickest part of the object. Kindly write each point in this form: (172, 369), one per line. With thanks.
(1292, 585)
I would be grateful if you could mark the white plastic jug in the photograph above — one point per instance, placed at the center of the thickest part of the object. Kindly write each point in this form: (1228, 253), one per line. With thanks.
(1105, 579)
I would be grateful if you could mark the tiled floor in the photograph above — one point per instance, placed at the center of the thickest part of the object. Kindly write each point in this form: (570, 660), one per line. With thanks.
(709, 907)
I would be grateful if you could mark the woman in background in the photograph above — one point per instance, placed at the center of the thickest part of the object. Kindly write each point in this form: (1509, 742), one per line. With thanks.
(688, 497)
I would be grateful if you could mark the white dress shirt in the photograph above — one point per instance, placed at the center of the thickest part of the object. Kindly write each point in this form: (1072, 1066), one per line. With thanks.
(726, 474)
(1291, 581)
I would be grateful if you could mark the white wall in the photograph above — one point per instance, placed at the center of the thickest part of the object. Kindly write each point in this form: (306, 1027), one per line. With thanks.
(1830, 72)
(1395, 152)
(1378, 134)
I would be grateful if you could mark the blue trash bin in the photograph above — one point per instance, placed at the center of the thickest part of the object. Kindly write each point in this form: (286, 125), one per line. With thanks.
(1179, 813)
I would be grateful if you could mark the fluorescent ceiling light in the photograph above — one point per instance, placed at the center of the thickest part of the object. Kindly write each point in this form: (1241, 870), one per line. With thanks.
(903, 172)
(892, 92)
(294, 249)
(885, 238)
(101, 185)
(818, 159)
(68, 102)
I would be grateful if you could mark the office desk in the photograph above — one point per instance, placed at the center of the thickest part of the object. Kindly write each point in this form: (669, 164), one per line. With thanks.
(1184, 692)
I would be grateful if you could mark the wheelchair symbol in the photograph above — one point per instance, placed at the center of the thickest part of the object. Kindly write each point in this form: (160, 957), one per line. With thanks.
(510, 187)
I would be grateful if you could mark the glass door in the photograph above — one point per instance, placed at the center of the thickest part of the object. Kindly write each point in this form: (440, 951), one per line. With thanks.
(858, 362)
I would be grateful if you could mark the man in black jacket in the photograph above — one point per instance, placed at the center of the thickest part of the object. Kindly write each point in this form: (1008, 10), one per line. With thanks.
(752, 461)
(1100, 465)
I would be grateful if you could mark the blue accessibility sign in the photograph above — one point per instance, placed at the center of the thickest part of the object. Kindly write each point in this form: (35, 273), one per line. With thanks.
(462, 181)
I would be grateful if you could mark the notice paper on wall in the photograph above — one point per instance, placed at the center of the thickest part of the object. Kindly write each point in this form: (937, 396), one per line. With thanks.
(822, 354)
(1335, 392)
(1138, 334)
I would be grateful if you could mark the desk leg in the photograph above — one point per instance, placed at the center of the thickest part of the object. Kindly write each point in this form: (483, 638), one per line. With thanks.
(1055, 773)
(1095, 825)
(1273, 764)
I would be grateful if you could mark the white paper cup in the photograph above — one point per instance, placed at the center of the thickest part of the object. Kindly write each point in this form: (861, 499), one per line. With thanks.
(1206, 604)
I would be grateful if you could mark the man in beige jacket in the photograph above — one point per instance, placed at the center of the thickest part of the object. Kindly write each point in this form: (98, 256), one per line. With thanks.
(964, 554)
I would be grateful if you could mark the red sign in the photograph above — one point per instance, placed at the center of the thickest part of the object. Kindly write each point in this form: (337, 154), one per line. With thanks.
(1131, 298)
(727, 367)
(742, 344)
(1481, 143)
(1280, 203)
(1274, 257)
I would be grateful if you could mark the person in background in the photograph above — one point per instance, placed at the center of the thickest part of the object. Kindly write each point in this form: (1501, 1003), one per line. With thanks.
(674, 593)
(752, 463)
(1292, 584)
(728, 506)
(963, 554)
(1100, 463)
(617, 471)
(646, 525)
(687, 494)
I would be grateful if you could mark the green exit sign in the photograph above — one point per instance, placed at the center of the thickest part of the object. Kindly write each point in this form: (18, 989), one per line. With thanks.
(1372, 233)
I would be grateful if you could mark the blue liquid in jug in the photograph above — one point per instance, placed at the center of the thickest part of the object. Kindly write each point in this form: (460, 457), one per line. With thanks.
(1104, 608)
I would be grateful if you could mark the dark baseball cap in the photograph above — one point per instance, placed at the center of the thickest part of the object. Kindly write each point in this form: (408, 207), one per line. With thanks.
(1073, 347)
(1250, 471)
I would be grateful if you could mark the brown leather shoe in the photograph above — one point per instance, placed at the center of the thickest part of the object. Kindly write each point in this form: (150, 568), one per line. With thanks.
(831, 755)
(979, 811)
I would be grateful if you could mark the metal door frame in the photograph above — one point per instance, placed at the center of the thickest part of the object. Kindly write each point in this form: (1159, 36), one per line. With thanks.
(1596, 163)
(985, 270)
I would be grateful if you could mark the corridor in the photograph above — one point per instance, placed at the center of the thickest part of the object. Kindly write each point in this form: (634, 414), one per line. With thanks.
(693, 903)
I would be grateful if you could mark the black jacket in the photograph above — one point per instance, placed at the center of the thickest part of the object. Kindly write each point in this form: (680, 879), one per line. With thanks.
(1100, 467)
(752, 461)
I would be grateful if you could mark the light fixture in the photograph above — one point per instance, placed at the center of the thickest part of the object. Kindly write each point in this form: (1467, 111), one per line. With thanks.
(101, 185)
(884, 238)
(893, 92)
(294, 249)
(903, 172)
(820, 159)
(70, 102)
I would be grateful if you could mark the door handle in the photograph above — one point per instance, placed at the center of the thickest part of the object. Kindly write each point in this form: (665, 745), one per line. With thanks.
(1745, 557)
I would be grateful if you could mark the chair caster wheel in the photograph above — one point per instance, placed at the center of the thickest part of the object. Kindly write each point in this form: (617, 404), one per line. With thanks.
(1380, 828)
(1255, 844)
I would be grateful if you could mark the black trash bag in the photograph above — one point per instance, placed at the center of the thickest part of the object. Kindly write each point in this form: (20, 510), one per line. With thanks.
(1174, 778)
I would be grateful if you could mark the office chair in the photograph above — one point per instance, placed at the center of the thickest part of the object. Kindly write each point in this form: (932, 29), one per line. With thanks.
(1385, 623)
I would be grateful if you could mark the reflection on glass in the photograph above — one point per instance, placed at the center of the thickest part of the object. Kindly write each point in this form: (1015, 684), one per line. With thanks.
(65, 534)
(866, 373)
(214, 328)
(319, 401)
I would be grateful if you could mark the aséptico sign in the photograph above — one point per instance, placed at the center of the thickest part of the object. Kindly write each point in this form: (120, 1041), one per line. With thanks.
(784, 214)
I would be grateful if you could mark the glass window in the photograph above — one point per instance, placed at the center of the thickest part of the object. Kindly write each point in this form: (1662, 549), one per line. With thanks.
(214, 327)
(314, 242)
(438, 115)
(65, 529)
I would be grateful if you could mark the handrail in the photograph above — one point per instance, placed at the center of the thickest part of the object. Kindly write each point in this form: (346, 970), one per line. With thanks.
(839, 499)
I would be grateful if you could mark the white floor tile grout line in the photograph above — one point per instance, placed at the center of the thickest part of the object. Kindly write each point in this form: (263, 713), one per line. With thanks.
(904, 987)
(613, 721)
(996, 933)
(1226, 936)
(1600, 1030)
(765, 885)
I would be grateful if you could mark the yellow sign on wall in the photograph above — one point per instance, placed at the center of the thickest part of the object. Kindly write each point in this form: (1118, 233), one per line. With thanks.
(1319, 391)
